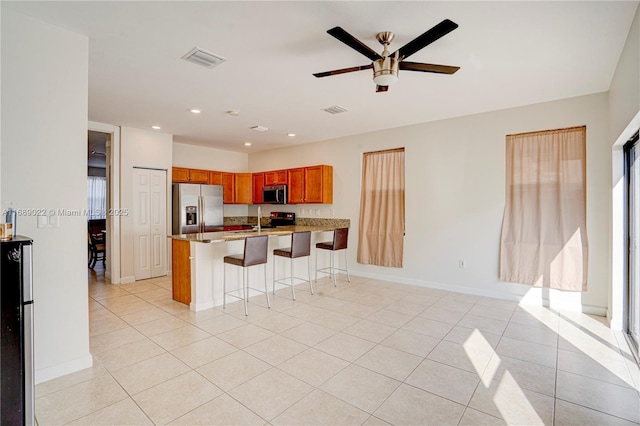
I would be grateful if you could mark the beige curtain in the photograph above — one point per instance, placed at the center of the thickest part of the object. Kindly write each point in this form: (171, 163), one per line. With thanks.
(544, 234)
(380, 240)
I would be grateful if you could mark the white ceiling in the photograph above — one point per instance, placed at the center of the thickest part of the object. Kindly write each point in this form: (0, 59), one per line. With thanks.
(510, 54)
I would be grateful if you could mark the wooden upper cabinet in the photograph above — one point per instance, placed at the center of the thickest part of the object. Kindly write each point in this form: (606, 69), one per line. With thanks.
(318, 184)
(275, 177)
(307, 185)
(311, 185)
(228, 188)
(258, 184)
(184, 175)
(215, 178)
(179, 174)
(296, 185)
(198, 176)
(243, 193)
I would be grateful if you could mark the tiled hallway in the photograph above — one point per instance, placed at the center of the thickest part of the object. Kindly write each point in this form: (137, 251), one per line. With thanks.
(369, 352)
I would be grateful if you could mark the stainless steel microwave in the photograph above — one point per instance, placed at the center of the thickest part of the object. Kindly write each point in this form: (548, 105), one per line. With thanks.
(274, 194)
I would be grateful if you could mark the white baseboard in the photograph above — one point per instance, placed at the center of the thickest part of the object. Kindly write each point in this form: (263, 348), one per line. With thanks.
(127, 280)
(587, 309)
(53, 372)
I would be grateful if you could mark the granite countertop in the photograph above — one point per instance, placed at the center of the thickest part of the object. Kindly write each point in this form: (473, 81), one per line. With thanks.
(221, 237)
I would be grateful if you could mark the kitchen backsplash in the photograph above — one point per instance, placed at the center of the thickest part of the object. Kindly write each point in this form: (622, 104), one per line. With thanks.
(303, 221)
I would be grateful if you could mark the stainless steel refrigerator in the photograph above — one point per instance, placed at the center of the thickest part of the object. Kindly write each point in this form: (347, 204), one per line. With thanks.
(197, 208)
(16, 349)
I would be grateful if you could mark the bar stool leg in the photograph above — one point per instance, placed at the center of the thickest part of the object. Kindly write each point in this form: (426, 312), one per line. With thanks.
(245, 289)
(274, 275)
(309, 271)
(316, 280)
(346, 267)
(224, 286)
(293, 291)
(333, 268)
(266, 290)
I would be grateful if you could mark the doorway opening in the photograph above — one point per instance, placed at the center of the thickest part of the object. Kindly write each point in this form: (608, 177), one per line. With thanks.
(97, 202)
(632, 201)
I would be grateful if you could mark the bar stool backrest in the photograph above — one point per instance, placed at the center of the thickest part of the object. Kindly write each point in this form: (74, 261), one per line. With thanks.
(340, 236)
(255, 250)
(300, 244)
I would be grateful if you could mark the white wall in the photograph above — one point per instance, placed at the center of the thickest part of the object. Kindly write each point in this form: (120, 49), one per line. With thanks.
(455, 187)
(146, 149)
(624, 117)
(198, 157)
(44, 166)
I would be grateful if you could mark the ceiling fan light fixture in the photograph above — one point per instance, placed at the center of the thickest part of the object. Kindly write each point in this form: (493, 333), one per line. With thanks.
(385, 71)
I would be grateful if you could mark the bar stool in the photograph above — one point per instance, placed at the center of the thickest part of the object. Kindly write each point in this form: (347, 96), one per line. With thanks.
(339, 243)
(255, 253)
(300, 247)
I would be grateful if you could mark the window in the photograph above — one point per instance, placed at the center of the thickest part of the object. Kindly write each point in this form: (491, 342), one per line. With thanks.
(381, 231)
(544, 236)
(96, 197)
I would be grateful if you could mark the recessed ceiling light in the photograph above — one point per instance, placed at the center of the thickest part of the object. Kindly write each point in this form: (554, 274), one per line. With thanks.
(195, 111)
(291, 134)
(155, 127)
(247, 144)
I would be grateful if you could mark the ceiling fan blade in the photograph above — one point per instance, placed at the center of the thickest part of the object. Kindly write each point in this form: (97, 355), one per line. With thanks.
(417, 66)
(428, 37)
(382, 88)
(354, 43)
(343, 70)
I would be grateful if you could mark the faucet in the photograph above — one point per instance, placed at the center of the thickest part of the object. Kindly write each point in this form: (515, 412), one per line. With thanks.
(259, 217)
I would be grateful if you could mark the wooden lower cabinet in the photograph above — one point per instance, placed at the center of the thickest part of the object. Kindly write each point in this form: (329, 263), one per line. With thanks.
(181, 271)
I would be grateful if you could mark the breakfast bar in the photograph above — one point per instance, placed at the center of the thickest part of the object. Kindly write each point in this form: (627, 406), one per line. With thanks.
(197, 265)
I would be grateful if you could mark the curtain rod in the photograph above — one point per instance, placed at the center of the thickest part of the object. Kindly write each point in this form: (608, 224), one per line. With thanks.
(385, 150)
(547, 131)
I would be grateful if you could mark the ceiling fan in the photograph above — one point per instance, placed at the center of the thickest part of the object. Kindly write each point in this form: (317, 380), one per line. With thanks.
(385, 66)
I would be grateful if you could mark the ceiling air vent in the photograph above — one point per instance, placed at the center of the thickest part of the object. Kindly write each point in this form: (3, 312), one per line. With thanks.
(336, 109)
(203, 58)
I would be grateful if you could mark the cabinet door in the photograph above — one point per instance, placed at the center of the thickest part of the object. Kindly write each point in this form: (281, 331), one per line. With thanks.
(228, 188)
(244, 194)
(318, 184)
(215, 178)
(296, 185)
(258, 183)
(179, 174)
(275, 177)
(198, 176)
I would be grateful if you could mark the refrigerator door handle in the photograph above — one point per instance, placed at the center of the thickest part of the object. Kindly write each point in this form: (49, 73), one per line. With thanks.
(203, 223)
(29, 385)
(27, 274)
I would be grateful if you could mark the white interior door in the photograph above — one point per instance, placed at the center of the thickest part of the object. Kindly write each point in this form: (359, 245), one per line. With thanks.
(149, 223)
(158, 222)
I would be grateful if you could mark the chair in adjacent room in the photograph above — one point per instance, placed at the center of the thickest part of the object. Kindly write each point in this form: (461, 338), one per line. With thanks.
(300, 247)
(97, 250)
(340, 236)
(255, 253)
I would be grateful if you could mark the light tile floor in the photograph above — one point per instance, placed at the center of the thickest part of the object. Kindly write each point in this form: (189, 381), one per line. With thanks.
(364, 353)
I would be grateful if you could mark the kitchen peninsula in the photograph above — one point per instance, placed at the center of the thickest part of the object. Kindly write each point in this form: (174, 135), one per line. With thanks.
(197, 265)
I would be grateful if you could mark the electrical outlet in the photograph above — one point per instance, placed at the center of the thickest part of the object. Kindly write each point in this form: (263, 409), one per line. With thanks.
(461, 264)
